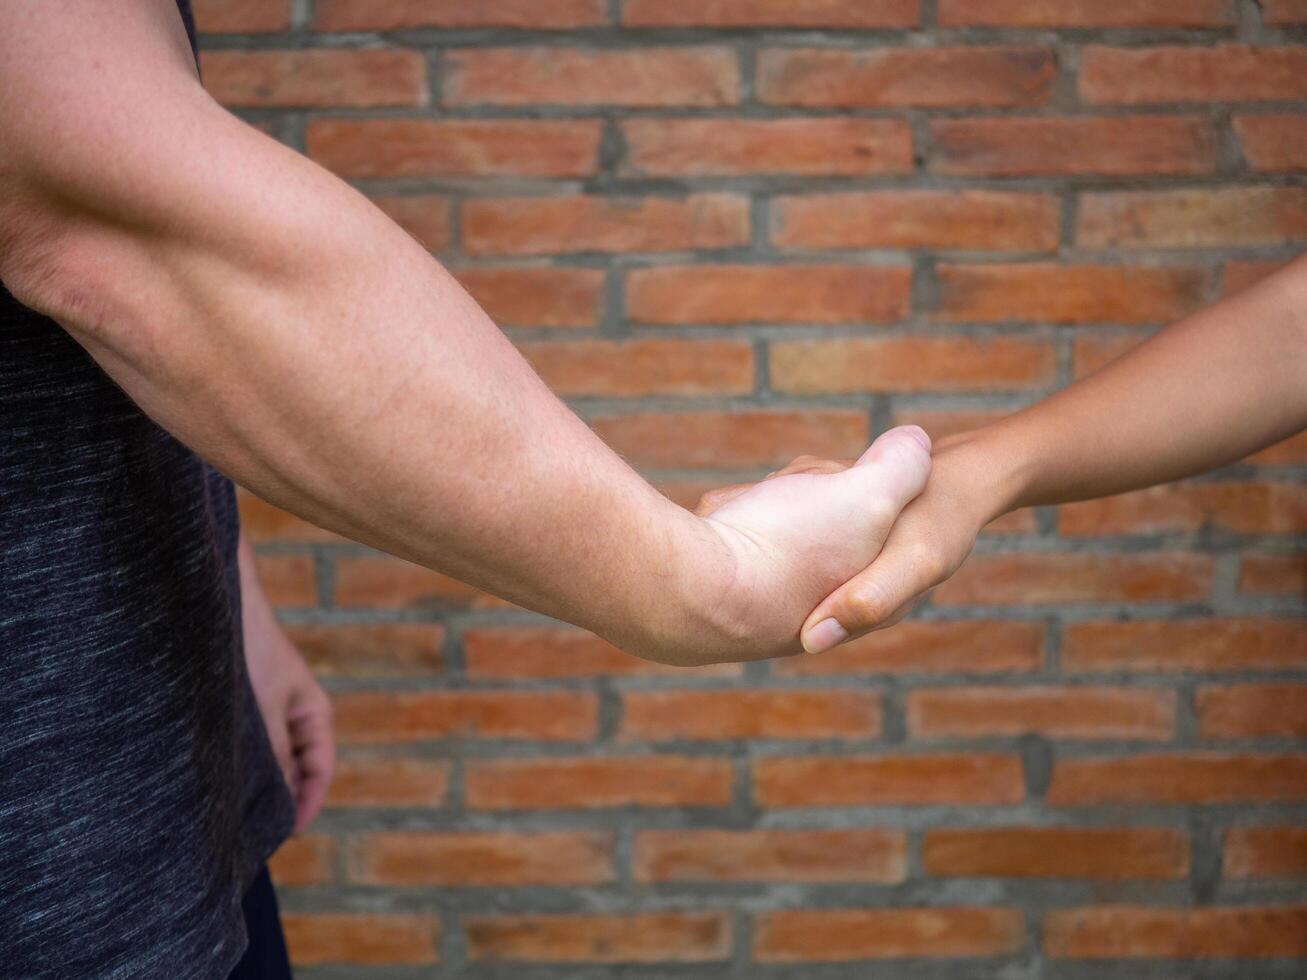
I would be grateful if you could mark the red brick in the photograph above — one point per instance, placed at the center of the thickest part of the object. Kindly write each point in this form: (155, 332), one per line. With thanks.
(970, 76)
(316, 78)
(1220, 73)
(1277, 575)
(651, 76)
(389, 650)
(800, 294)
(1132, 932)
(633, 368)
(594, 783)
(1197, 645)
(1085, 13)
(769, 13)
(838, 935)
(1284, 11)
(455, 148)
(740, 147)
(1206, 218)
(1239, 274)
(1136, 853)
(1276, 142)
(707, 715)
(1109, 145)
(550, 653)
(422, 715)
(1095, 351)
(1056, 712)
(910, 364)
(973, 646)
(261, 521)
(1039, 579)
(379, 781)
(1194, 777)
(968, 219)
(1265, 852)
(536, 296)
(888, 780)
(1252, 710)
(1049, 293)
(864, 855)
(1245, 508)
(650, 937)
(372, 940)
(382, 582)
(558, 859)
(557, 225)
(241, 16)
(424, 216)
(1286, 453)
(371, 15)
(303, 860)
(289, 581)
(733, 440)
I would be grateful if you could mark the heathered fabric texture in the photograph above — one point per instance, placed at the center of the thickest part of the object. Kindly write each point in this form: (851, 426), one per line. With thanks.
(138, 792)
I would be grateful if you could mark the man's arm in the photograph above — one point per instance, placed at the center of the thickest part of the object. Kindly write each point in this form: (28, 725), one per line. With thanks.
(280, 325)
(1205, 392)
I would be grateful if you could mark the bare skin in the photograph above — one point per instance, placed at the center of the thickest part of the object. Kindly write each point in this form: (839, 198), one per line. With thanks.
(1209, 390)
(276, 322)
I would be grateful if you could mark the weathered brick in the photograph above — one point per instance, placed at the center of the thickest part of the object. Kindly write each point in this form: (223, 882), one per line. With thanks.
(1221, 73)
(1051, 293)
(628, 369)
(386, 650)
(1095, 351)
(262, 521)
(539, 296)
(594, 783)
(1238, 274)
(367, 939)
(837, 935)
(383, 582)
(289, 581)
(241, 16)
(650, 937)
(381, 781)
(365, 717)
(707, 715)
(1243, 507)
(1041, 579)
(970, 646)
(557, 225)
(1195, 777)
(970, 76)
(733, 440)
(1056, 712)
(455, 148)
(800, 294)
(888, 780)
(547, 652)
(967, 219)
(1273, 142)
(303, 860)
(1206, 645)
(556, 858)
(1252, 710)
(1286, 453)
(316, 77)
(770, 13)
(638, 77)
(388, 15)
(1207, 218)
(1280, 12)
(1276, 575)
(739, 147)
(870, 855)
(1135, 853)
(427, 217)
(1265, 852)
(1129, 932)
(1085, 13)
(910, 364)
(1107, 145)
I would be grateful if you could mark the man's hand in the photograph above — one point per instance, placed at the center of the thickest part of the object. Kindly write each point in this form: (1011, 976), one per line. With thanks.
(296, 711)
(805, 530)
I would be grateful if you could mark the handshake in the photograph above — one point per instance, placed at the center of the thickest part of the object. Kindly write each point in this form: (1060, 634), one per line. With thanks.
(825, 550)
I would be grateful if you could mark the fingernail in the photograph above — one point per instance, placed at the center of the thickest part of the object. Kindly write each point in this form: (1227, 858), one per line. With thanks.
(824, 635)
(918, 433)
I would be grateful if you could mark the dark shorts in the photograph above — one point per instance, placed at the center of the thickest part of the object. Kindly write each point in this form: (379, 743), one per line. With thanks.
(265, 958)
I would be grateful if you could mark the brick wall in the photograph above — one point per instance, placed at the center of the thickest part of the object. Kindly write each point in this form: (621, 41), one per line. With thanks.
(731, 231)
